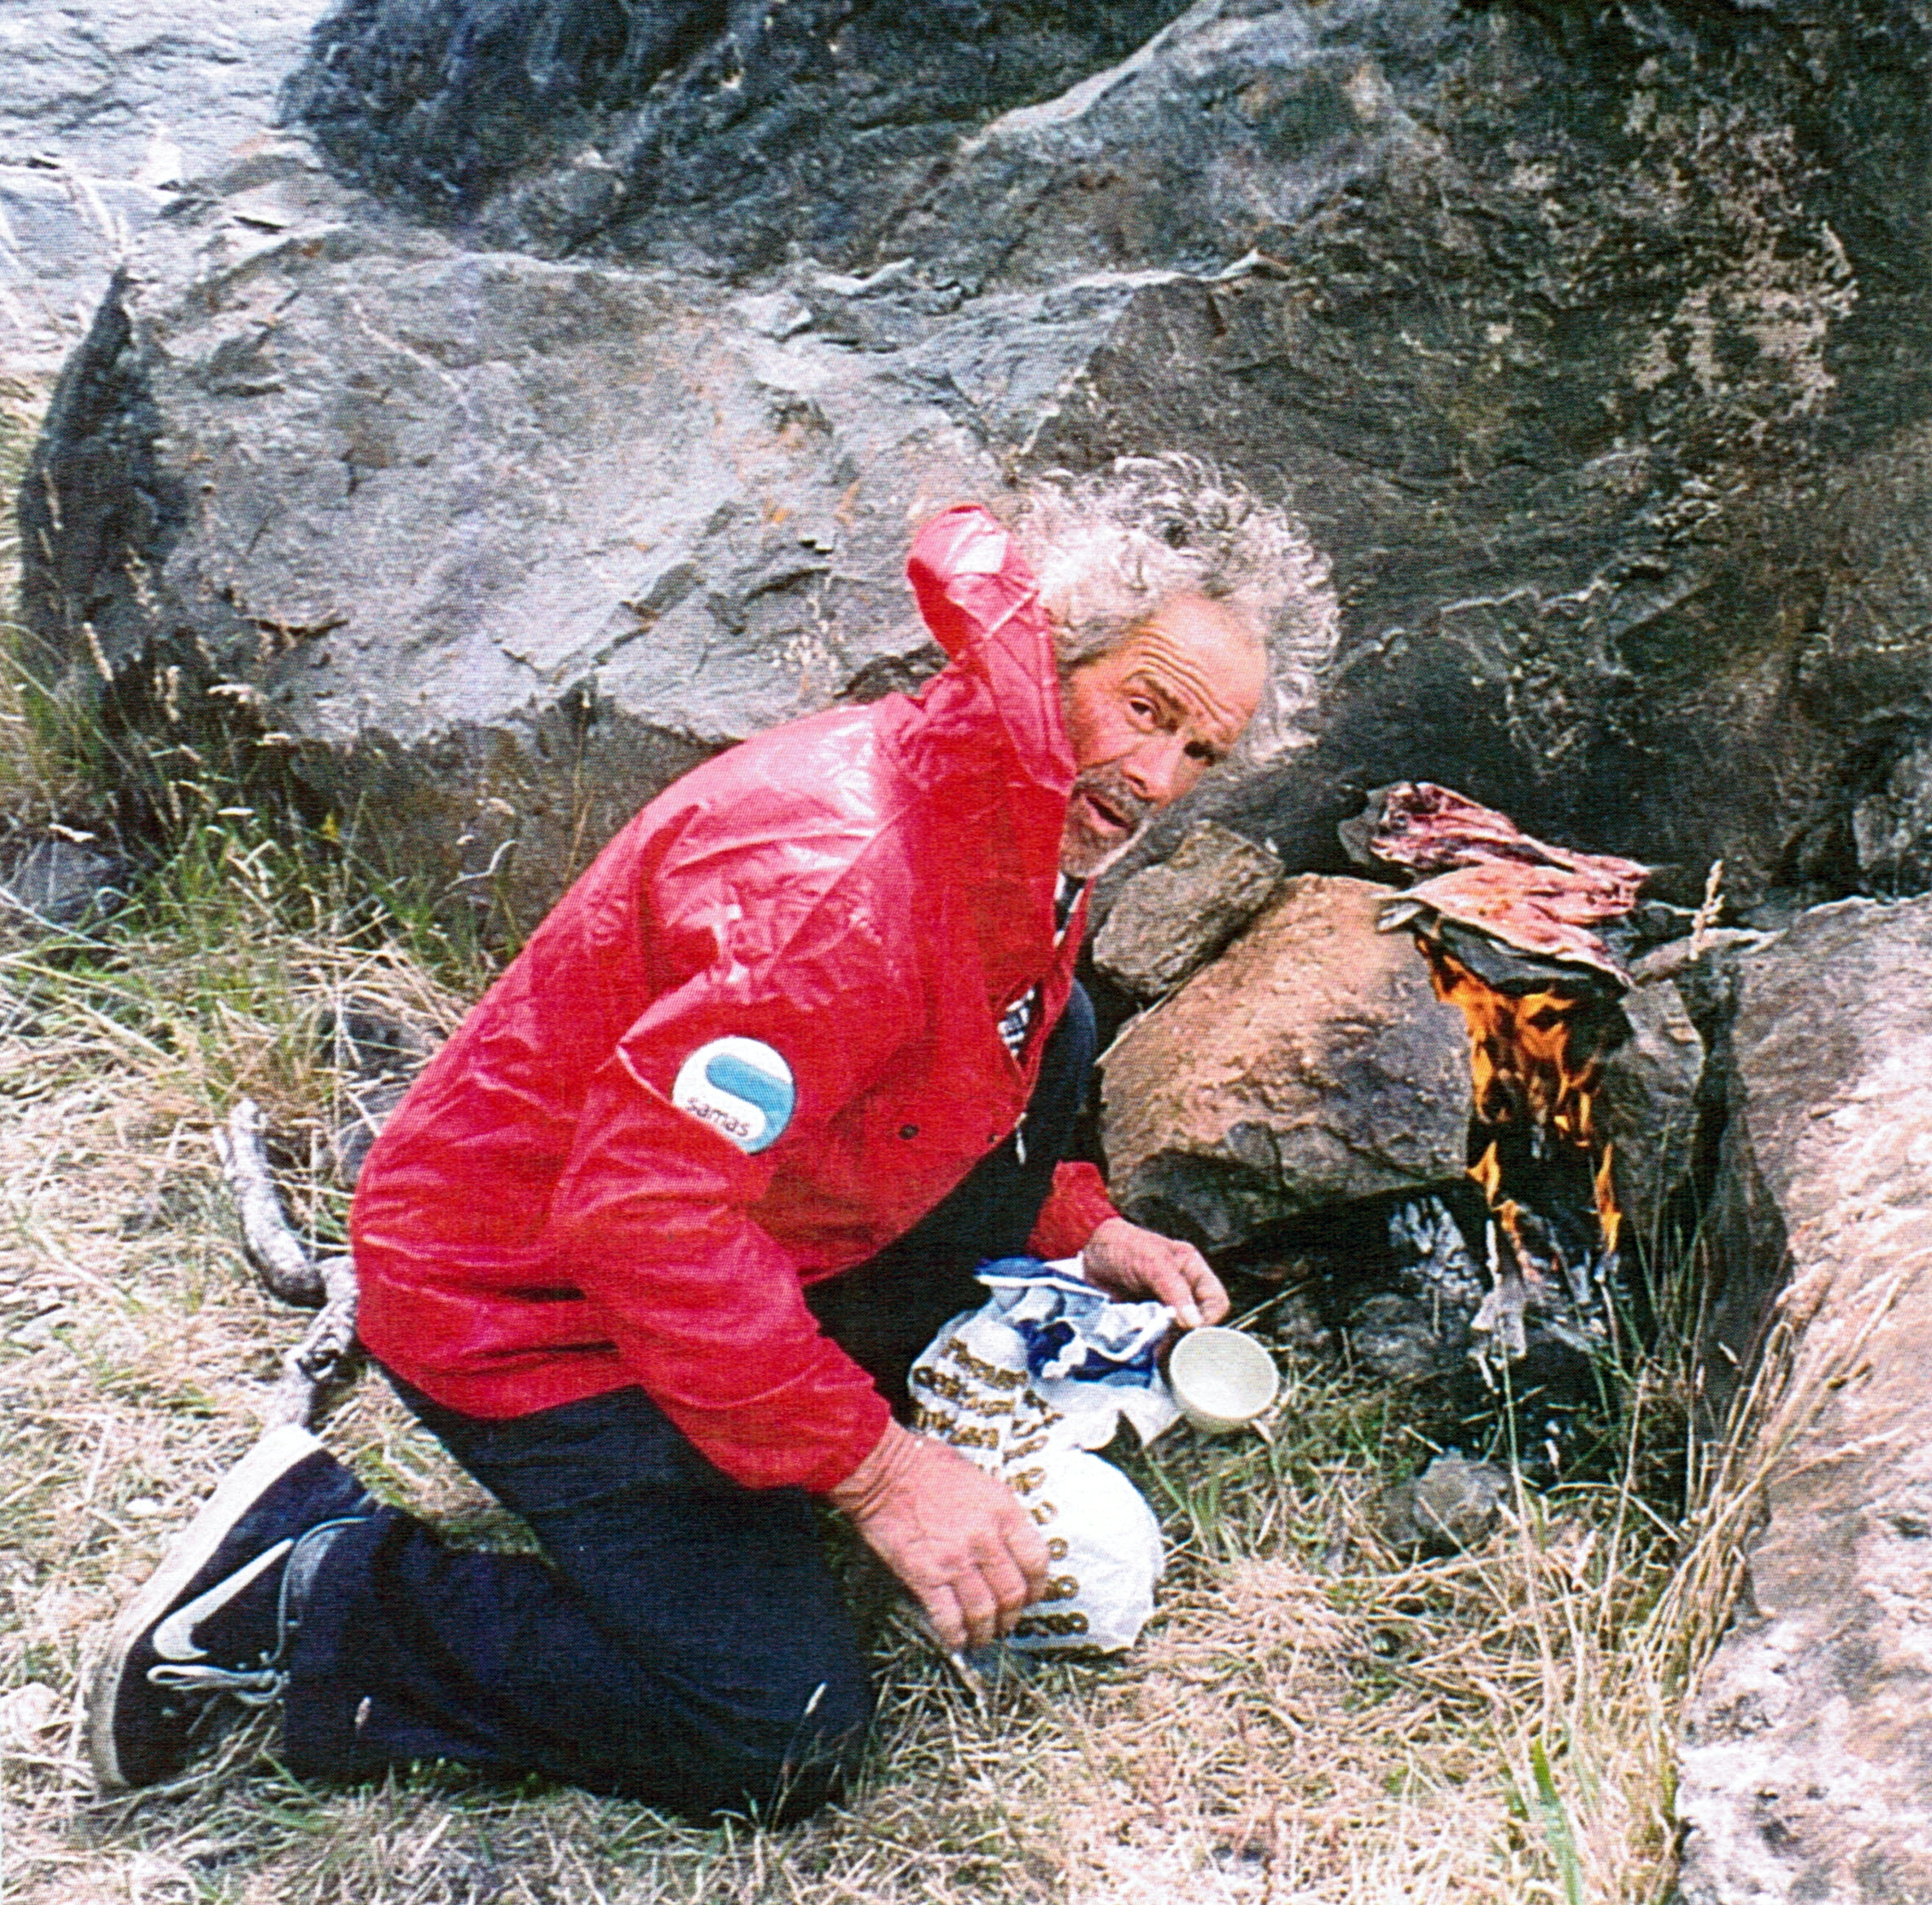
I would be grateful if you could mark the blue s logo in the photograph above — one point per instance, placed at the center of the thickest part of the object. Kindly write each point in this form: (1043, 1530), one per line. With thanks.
(739, 1086)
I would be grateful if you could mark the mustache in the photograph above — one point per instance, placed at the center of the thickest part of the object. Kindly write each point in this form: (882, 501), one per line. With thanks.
(1108, 784)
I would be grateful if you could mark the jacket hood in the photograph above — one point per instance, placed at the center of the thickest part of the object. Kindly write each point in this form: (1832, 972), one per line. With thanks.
(982, 604)
(987, 736)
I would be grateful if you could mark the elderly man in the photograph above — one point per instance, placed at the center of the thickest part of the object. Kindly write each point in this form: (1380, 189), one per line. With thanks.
(653, 1242)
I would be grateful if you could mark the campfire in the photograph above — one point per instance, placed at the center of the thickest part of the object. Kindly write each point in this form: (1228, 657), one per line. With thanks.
(1505, 924)
(1537, 1061)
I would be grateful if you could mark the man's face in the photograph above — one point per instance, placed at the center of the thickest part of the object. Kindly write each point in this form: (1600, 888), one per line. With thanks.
(1149, 719)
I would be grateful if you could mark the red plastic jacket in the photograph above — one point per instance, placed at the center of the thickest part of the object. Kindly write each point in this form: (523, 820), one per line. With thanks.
(852, 899)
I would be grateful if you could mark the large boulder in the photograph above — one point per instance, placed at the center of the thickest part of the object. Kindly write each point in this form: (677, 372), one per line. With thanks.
(1590, 341)
(1311, 1064)
(1808, 1771)
(480, 550)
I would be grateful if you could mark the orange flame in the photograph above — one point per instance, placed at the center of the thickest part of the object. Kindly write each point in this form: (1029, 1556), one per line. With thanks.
(1487, 1171)
(1520, 1060)
(1610, 1219)
(1524, 1071)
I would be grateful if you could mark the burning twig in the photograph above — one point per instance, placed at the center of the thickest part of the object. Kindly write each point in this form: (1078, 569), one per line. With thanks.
(321, 1357)
(1500, 1321)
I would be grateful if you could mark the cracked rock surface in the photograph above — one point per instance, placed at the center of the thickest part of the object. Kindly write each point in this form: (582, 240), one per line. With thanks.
(106, 110)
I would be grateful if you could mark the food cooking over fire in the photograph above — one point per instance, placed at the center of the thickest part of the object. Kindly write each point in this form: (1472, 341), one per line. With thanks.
(1507, 925)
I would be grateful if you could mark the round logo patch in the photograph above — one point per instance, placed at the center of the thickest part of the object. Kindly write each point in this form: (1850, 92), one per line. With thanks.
(739, 1086)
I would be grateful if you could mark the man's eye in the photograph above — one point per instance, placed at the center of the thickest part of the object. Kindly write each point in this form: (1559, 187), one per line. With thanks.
(1142, 710)
(1204, 752)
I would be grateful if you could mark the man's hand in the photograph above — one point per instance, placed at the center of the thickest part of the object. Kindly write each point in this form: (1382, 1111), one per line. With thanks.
(1125, 1260)
(956, 1537)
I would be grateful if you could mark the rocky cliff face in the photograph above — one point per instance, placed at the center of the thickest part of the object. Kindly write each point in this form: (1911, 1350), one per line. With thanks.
(1592, 342)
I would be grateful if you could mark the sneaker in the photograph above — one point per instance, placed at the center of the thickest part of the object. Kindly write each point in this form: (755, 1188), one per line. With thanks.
(217, 1618)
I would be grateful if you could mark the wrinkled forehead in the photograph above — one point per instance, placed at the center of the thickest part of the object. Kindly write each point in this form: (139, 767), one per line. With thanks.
(1207, 657)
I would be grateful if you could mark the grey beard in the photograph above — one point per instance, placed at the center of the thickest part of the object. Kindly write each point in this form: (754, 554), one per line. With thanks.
(1083, 858)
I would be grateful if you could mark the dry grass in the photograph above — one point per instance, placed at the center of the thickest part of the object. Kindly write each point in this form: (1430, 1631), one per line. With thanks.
(1310, 1719)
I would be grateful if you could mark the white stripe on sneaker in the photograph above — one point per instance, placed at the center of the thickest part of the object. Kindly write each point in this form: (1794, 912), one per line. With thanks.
(174, 1638)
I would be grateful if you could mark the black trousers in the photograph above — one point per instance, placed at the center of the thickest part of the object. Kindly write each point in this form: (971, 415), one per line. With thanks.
(682, 1641)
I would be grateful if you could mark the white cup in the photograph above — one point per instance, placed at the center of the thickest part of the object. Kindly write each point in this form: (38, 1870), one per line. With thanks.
(1221, 1379)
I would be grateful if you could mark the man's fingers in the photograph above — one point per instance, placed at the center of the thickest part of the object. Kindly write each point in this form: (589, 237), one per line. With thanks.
(1128, 1262)
(943, 1616)
(977, 1606)
(1205, 1301)
(1009, 1589)
(1028, 1548)
(1208, 1294)
(1168, 1283)
(980, 1602)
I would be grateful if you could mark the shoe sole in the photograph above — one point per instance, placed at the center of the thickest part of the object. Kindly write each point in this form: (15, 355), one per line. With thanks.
(244, 1485)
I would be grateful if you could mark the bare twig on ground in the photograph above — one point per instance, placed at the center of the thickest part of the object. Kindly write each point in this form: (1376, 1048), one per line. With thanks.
(322, 1357)
(275, 1250)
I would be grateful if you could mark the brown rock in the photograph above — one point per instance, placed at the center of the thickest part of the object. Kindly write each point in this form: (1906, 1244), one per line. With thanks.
(1309, 1065)
(1172, 917)
(1807, 1769)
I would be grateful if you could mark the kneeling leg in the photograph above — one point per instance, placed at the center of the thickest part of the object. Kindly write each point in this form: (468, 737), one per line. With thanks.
(683, 1643)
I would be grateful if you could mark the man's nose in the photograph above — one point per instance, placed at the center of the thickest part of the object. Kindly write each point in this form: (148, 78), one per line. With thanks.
(1161, 769)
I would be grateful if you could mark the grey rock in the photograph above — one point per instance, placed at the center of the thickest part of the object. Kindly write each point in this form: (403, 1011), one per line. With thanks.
(1891, 826)
(725, 130)
(59, 239)
(51, 880)
(377, 1057)
(1170, 917)
(1453, 1505)
(477, 549)
(107, 111)
(1297, 1321)
(1650, 1112)
(1807, 1765)
(1544, 631)
(1310, 1064)
(367, 1107)
(1398, 1338)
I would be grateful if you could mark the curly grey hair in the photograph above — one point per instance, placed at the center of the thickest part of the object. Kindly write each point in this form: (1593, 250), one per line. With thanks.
(1109, 547)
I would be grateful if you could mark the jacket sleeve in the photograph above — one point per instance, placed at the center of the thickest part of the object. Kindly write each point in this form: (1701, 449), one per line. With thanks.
(1077, 1205)
(652, 1210)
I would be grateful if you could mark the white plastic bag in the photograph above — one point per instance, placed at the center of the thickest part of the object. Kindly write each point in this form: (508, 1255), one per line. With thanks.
(973, 1387)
